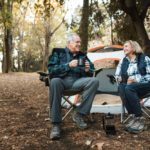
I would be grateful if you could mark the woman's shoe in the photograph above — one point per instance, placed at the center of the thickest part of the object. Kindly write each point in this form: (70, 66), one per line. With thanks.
(138, 126)
(129, 121)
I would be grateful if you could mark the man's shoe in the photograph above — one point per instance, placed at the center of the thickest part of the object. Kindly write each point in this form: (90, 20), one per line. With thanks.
(55, 132)
(77, 118)
(138, 126)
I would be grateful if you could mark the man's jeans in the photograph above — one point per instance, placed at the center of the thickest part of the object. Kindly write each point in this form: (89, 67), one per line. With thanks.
(131, 94)
(88, 85)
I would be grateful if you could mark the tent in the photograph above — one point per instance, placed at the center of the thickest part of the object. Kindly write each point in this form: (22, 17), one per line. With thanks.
(105, 84)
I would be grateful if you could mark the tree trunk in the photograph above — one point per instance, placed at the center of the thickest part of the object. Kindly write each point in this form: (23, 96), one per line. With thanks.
(4, 60)
(111, 30)
(142, 35)
(7, 36)
(83, 30)
(18, 60)
(8, 49)
(19, 51)
(46, 51)
(138, 15)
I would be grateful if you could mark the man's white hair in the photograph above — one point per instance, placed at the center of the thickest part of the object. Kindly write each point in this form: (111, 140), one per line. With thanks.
(71, 37)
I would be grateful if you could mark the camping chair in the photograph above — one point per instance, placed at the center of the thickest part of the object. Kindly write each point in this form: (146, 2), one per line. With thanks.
(67, 93)
(113, 89)
(144, 107)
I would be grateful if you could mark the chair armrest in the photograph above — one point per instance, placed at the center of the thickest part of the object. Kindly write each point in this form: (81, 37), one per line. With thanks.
(97, 71)
(44, 77)
(111, 78)
(42, 73)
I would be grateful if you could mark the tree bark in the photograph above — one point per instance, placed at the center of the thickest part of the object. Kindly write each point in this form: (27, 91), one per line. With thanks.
(8, 49)
(142, 35)
(47, 43)
(7, 36)
(137, 17)
(83, 30)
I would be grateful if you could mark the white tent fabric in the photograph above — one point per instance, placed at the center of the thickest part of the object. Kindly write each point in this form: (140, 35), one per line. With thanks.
(98, 56)
(105, 55)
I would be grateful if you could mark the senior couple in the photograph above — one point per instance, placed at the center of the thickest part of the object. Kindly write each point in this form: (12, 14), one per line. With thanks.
(132, 74)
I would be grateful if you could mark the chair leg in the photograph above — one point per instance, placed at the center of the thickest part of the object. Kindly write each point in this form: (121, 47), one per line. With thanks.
(68, 112)
(72, 106)
(67, 100)
(146, 111)
(64, 104)
(122, 113)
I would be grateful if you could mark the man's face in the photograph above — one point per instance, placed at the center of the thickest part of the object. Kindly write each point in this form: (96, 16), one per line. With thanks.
(75, 44)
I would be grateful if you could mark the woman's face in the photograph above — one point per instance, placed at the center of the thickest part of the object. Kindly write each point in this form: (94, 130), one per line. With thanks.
(128, 49)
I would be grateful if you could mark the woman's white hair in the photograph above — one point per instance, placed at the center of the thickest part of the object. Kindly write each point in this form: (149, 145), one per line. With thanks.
(71, 37)
(135, 45)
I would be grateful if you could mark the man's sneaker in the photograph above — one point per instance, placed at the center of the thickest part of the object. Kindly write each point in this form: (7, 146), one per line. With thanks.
(55, 132)
(129, 121)
(138, 126)
(77, 118)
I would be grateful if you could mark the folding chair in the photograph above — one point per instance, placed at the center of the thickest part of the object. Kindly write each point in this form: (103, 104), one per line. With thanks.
(144, 100)
(111, 87)
(144, 107)
(67, 93)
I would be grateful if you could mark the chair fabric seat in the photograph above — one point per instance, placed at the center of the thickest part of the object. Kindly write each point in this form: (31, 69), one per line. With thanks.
(71, 92)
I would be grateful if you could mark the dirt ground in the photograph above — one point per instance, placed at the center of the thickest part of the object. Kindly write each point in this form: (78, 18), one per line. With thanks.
(24, 122)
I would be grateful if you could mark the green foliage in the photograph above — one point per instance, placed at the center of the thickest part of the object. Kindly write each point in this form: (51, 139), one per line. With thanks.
(123, 28)
(96, 20)
(29, 37)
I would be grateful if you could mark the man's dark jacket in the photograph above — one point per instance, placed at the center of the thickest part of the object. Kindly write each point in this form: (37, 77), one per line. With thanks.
(58, 64)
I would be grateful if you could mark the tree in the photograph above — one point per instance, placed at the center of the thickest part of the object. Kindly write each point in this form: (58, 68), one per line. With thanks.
(6, 16)
(137, 10)
(6, 13)
(87, 23)
(47, 10)
(20, 12)
(83, 30)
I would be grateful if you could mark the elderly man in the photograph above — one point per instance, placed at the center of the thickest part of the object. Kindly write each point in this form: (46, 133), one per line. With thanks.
(66, 73)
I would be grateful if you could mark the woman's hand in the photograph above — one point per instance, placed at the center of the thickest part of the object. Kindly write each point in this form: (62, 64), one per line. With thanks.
(131, 80)
(118, 79)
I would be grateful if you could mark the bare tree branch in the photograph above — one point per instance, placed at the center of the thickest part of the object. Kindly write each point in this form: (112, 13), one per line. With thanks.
(57, 26)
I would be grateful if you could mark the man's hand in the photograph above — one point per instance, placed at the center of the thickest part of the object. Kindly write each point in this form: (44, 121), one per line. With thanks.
(131, 80)
(87, 66)
(73, 63)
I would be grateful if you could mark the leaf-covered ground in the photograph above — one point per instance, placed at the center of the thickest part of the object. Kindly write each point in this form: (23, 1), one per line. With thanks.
(24, 124)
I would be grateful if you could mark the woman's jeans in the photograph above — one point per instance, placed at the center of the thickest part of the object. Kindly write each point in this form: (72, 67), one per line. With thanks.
(131, 94)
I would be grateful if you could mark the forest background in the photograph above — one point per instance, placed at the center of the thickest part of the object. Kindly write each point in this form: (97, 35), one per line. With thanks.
(30, 29)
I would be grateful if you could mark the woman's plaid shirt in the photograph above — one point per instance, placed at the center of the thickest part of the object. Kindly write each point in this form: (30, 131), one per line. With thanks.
(133, 71)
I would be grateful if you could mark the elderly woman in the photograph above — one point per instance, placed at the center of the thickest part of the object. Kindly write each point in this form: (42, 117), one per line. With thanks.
(133, 76)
